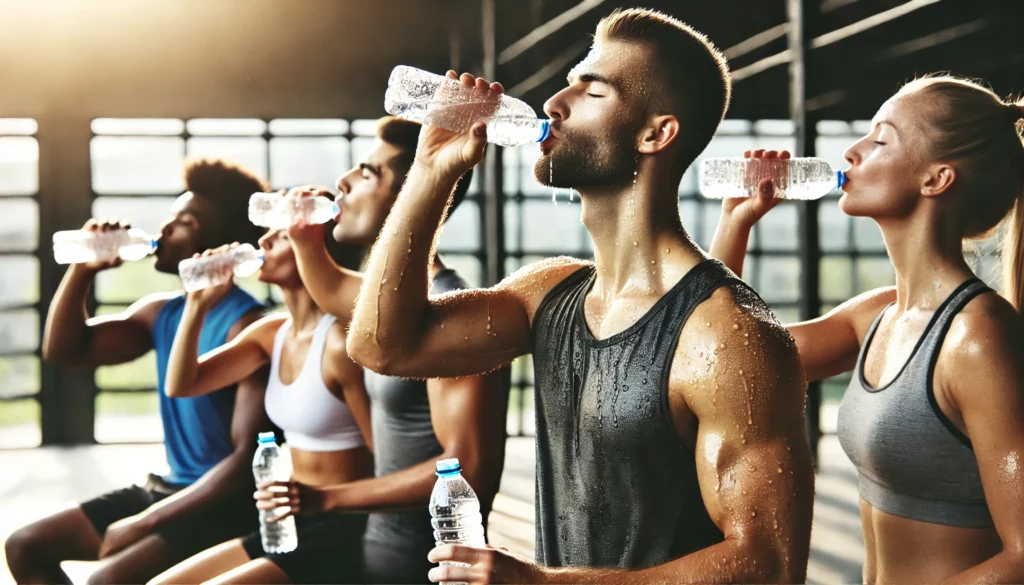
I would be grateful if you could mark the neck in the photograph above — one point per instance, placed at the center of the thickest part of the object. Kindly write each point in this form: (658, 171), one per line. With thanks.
(304, 312)
(637, 233)
(927, 254)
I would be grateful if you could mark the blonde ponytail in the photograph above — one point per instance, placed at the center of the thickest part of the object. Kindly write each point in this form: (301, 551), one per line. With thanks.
(1013, 245)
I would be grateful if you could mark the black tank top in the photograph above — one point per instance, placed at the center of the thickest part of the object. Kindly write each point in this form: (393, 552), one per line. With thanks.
(616, 485)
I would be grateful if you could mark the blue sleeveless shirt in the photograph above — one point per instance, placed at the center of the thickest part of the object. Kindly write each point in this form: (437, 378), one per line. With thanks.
(197, 431)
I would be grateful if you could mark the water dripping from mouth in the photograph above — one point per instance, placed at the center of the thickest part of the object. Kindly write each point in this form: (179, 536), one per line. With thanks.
(551, 180)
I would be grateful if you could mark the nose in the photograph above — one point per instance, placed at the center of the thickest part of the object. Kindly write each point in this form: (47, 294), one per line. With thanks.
(344, 182)
(852, 154)
(264, 241)
(556, 107)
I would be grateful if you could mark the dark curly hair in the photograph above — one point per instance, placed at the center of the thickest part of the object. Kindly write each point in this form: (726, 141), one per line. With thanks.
(228, 187)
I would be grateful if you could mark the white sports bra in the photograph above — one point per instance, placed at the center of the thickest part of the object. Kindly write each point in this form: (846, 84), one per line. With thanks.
(312, 418)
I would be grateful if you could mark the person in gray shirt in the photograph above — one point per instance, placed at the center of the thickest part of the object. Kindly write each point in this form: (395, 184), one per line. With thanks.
(414, 422)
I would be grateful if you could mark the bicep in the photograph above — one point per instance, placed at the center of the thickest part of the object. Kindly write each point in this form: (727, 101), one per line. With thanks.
(250, 415)
(463, 333)
(250, 341)
(993, 414)
(358, 402)
(228, 364)
(830, 344)
(753, 457)
(123, 337)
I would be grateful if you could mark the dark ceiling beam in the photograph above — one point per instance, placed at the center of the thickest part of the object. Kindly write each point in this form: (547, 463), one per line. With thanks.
(757, 41)
(556, 65)
(930, 40)
(835, 36)
(547, 29)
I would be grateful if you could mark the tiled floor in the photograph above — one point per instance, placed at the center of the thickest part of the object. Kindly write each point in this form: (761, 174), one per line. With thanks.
(37, 482)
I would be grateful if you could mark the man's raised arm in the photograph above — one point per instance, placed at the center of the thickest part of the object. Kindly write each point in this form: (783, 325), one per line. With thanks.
(397, 329)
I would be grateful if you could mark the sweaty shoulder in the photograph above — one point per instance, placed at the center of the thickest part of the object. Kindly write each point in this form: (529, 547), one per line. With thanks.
(733, 340)
(981, 336)
(531, 283)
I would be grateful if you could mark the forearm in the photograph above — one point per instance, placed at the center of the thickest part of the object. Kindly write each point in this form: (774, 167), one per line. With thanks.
(182, 367)
(730, 561)
(729, 244)
(230, 478)
(326, 282)
(403, 490)
(1005, 567)
(397, 275)
(66, 328)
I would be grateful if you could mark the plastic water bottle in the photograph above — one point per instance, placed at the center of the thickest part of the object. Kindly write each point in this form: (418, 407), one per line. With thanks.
(216, 269)
(454, 508)
(77, 246)
(428, 98)
(793, 178)
(274, 211)
(269, 465)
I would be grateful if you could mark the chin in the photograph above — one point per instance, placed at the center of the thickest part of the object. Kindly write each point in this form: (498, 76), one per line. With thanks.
(165, 266)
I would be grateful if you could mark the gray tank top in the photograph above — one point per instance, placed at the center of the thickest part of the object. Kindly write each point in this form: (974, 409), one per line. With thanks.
(912, 461)
(403, 436)
(616, 485)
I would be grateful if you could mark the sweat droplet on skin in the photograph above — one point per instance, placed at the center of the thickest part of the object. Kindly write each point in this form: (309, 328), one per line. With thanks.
(735, 326)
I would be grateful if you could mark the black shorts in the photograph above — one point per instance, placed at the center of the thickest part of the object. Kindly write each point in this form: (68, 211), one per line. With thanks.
(193, 532)
(330, 549)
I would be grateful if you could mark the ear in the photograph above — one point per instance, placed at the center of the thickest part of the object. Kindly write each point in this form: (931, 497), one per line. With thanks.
(937, 180)
(658, 134)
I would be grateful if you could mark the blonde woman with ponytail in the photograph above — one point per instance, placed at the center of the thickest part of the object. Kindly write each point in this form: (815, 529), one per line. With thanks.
(933, 418)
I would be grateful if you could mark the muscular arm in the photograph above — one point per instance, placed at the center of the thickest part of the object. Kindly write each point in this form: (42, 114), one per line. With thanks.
(333, 288)
(986, 368)
(468, 419)
(232, 477)
(753, 457)
(398, 330)
(71, 338)
(189, 375)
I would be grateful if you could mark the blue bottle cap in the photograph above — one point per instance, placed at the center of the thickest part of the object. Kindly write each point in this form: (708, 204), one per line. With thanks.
(840, 179)
(448, 467)
(545, 130)
(152, 245)
(335, 208)
(266, 438)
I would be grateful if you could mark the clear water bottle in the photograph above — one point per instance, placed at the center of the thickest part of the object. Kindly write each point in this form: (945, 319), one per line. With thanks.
(454, 508)
(793, 178)
(270, 465)
(271, 210)
(77, 246)
(216, 269)
(429, 98)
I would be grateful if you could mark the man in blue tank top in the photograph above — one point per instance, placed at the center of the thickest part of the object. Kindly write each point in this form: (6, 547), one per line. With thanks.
(415, 422)
(671, 445)
(140, 531)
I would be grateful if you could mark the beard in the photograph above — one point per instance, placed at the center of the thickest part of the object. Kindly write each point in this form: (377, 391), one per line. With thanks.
(580, 160)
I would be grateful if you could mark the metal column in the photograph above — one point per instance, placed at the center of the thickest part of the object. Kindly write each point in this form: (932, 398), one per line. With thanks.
(801, 15)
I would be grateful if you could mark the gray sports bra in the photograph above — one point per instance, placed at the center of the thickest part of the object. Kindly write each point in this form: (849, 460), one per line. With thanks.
(912, 461)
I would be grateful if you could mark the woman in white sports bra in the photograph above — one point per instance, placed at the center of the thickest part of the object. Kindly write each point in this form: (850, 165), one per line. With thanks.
(315, 394)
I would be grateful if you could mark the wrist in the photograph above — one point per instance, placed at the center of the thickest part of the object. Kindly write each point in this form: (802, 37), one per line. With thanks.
(334, 498)
(83, 271)
(149, 520)
(434, 176)
(196, 306)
